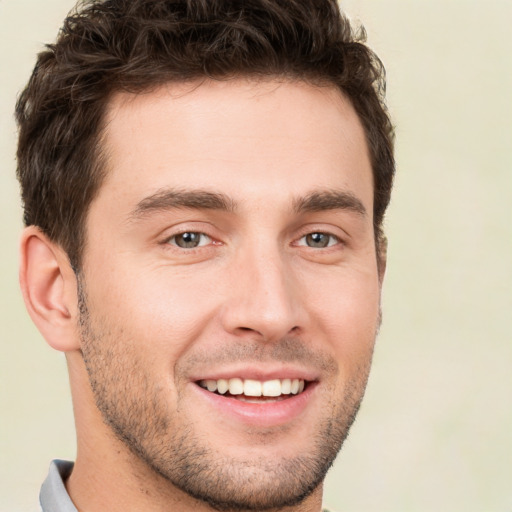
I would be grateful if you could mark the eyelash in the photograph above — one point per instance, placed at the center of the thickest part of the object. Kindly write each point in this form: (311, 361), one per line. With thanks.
(205, 240)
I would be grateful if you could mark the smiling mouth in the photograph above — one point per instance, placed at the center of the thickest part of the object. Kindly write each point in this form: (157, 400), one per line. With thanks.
(248, 390)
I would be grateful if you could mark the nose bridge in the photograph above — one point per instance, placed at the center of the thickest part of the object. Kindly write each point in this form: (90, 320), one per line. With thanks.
(264, 299)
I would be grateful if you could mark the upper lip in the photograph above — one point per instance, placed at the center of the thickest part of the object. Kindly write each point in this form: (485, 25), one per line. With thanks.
(258, 372)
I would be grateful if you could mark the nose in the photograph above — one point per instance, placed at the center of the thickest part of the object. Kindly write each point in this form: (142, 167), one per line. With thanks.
(264, 299)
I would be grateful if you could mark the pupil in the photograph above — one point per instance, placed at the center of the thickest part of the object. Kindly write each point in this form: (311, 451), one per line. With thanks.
(187, 240)
(317, 240)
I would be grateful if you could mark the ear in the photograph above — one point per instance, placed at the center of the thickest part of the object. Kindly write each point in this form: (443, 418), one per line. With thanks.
(382, 257)
(49, 288)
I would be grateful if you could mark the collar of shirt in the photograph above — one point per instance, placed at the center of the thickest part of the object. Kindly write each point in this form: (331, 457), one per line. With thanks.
(53, 496)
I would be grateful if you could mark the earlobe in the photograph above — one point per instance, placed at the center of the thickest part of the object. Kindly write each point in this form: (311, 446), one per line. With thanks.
(48, 285)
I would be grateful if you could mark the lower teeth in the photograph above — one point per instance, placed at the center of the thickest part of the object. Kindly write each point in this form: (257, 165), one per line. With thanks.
(259, 400)
(256, 399)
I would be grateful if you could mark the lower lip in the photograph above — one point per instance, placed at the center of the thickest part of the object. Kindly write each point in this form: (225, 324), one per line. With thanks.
(261, 414)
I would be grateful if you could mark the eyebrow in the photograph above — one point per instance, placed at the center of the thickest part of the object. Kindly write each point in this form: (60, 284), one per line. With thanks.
(329, 200)
(166, 199)
(316, 201)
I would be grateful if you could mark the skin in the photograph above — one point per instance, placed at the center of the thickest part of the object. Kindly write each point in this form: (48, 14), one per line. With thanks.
(147, 319)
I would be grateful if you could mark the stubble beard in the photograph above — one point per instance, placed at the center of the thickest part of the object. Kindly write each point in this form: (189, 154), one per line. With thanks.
(138, 413)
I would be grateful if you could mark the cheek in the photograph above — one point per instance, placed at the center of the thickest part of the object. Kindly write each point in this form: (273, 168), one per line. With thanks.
(158, 311)
(347, 310)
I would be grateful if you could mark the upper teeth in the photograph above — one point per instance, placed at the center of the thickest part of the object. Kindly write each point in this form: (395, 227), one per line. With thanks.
(249, 387)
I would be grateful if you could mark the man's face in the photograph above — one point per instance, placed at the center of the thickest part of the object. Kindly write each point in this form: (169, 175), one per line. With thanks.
(232, 245)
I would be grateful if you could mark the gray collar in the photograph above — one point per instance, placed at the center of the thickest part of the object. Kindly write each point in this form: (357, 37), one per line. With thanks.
(53, 496)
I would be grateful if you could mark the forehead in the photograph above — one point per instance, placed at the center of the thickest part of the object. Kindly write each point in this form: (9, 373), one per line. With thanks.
(246, 138)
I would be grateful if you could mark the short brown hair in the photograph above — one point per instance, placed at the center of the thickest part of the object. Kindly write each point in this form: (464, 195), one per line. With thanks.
(135, 45)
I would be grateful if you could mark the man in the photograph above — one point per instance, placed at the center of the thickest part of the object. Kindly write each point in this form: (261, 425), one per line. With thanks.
(204, 185)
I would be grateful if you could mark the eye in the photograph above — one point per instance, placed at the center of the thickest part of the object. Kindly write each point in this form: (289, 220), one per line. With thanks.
(319, 240)
(189, 240)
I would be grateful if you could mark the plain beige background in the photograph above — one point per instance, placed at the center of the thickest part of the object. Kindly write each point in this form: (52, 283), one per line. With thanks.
(435, 430)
